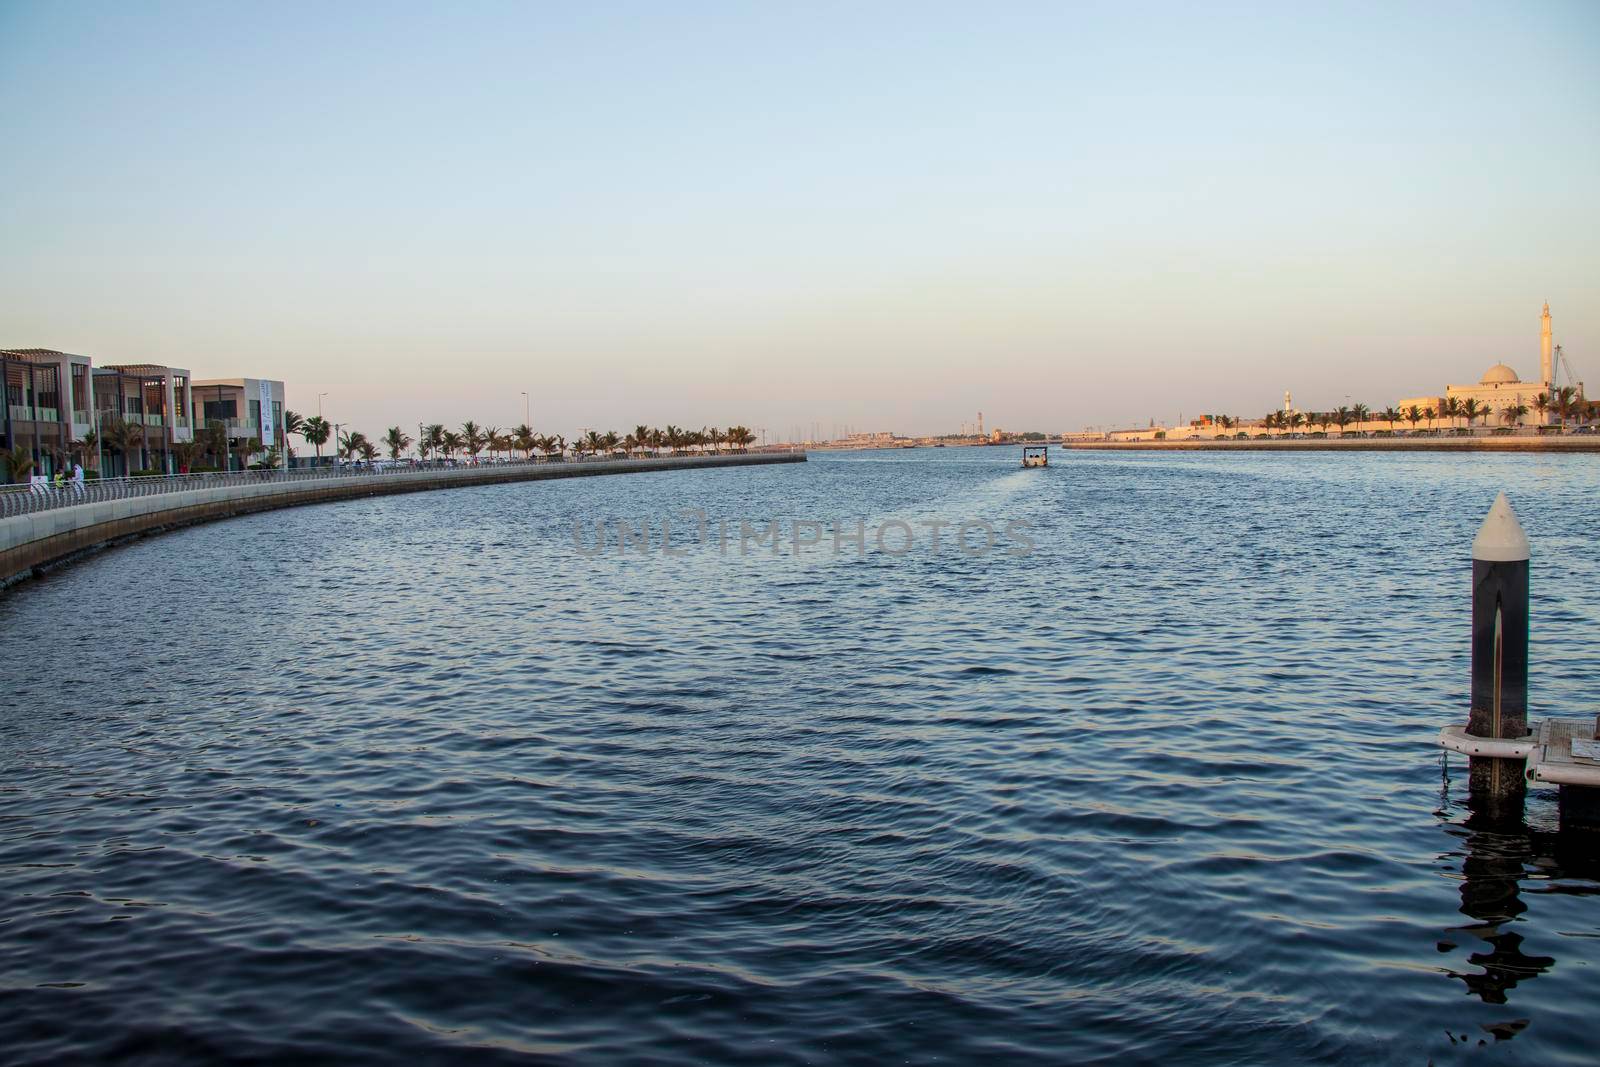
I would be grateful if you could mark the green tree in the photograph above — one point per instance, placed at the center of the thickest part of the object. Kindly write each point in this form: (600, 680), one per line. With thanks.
(315, 431)
(1565, 401)
(126, 439)
(19, 462)
(472, 438)
(396, 441)
(523, 439)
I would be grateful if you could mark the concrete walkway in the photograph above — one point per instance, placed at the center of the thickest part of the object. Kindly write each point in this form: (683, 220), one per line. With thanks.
(30, 544)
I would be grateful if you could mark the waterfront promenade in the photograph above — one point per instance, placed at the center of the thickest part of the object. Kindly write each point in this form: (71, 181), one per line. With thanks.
(41, 529)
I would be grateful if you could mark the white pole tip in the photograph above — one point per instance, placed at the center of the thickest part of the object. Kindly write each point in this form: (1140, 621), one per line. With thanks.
(1500, 539)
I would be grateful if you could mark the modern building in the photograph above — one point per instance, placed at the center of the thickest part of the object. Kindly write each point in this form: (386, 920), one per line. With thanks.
(49, 404)
(142, 412)
(250, 409)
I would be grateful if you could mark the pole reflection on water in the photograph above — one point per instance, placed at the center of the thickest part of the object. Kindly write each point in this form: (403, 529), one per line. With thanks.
(1496, 855)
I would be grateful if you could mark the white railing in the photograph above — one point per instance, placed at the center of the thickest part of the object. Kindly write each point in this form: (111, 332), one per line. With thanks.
(28, 499)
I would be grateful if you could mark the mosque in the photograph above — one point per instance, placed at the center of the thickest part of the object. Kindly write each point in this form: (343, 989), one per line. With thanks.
(1500, 388)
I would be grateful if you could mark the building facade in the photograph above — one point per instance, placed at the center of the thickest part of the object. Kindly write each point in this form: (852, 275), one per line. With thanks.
(249, 410)
(49, 411)
(142, 411)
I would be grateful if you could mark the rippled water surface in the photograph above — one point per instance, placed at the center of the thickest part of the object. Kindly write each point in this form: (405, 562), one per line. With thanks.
(414, 779)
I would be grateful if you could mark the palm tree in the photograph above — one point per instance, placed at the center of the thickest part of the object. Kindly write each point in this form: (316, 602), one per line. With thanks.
(592, 442)
(1449, 408)
(1565, 398)
(1341, 416)
(472, 439)
(1297, 419)
(315, 431)
(184, 453)
(491, 435)
(214, 442)
(1430, 414)
(610, 441)
(293, 423)
(396, 442)
(433, 438)
(1325, 419)
(368, 450)
(1469, 410)
(19, 462)
(1391, 416)
(740, 437)
(1513, 413)
(1413, 416)
(124, 438)
(1359, 413)
(1543, 405)
(89, 448)
(450, 442)
(522, 438)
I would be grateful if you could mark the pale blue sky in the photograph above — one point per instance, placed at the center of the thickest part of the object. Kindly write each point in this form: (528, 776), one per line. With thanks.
(883, 215)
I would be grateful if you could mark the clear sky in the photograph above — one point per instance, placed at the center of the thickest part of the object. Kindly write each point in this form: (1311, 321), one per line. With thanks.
(886, 215)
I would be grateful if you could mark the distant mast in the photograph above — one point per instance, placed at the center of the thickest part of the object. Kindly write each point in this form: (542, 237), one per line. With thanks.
(1546, 371)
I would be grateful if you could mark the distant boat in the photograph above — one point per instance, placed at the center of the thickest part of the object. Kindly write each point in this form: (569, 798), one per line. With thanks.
(1035, 456)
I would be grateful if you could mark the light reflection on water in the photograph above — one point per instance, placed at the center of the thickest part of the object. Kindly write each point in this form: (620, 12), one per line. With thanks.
(411, 776)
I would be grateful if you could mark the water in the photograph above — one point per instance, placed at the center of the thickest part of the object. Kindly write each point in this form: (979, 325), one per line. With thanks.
(414, 778)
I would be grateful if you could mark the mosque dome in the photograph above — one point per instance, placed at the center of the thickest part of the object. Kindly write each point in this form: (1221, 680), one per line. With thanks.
(1499, 374)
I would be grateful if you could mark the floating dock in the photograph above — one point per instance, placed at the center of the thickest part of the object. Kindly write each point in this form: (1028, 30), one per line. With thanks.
(1547, 753)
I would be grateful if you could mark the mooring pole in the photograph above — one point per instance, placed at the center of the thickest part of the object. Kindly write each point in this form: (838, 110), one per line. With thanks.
(1499, 651)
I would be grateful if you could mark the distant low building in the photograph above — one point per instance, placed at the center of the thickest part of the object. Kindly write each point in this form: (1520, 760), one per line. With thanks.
(1500, 387)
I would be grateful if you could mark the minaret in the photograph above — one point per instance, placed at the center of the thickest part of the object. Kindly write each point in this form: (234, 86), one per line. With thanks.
(1288, 403)
(1546, 372)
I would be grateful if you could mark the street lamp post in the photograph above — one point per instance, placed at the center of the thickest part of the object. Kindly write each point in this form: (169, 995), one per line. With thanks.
(319, 404)
(525, 408)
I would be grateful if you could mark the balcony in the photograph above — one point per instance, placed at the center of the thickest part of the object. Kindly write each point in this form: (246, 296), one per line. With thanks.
(26, 413)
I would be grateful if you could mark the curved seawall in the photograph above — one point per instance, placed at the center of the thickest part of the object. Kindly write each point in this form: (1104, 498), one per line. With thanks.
(30, 544)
